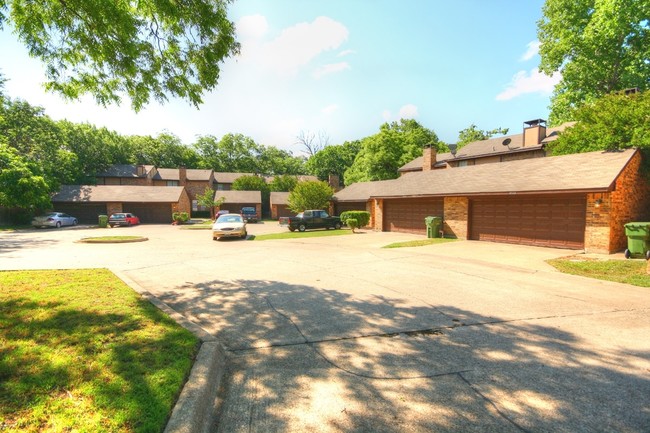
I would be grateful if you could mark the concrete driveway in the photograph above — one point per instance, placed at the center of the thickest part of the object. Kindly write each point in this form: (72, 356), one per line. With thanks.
(337, 334)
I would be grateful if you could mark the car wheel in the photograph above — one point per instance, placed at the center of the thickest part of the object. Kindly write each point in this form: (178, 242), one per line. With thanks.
(75, 222)
(128, 223)
(291, 229)
(58, 224)
(337, 225)
(627, 254)
(647, 255)
(244, 236)
(302, 228)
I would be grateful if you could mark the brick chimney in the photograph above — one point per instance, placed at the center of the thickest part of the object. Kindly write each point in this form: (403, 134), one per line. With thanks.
(429, 160)
(534, 132)
(182, 175)
(334, 182)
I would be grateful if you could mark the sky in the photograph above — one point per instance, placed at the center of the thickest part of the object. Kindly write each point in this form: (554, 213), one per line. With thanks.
(340, 68)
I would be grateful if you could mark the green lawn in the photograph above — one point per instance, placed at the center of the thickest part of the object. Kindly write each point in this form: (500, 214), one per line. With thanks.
(300, 235)
(80, 351)
(622, 271)
(419, 243)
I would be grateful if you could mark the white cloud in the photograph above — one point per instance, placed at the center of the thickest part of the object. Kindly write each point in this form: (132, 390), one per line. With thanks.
(296, 46)
(330, 109)
(252, 27)
(532, 51)
(346, 53)
(534, 82)
(408, 111)
(331, 69)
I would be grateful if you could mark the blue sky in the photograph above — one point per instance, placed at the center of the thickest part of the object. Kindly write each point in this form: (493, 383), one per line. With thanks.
(341, 67)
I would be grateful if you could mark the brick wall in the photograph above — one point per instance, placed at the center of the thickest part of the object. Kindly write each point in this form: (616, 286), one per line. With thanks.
(607, 213)
(630, 201)
(113, 208)
(184, 204)
(195, 188)
(456, 213)
(378, 214)
(597, 223)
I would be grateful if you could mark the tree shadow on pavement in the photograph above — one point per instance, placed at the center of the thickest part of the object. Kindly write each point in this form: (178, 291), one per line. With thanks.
(307, 359)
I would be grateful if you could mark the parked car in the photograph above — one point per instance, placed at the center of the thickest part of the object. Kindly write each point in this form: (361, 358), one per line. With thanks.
(54, 219)
(123, 219)
(311, 219)
(250, 214)
(229, 225)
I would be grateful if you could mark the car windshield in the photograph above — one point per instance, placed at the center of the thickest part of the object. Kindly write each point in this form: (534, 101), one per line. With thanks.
(118, 216)
(229, 219)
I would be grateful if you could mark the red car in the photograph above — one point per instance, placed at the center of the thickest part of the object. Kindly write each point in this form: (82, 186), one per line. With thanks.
(123, 219)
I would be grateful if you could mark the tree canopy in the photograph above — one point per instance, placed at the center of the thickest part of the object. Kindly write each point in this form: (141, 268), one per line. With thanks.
(311, 194)
(142, 49)
(472, 133)
(334, 159)
(383, 153)
(612, 122)
(599, 46)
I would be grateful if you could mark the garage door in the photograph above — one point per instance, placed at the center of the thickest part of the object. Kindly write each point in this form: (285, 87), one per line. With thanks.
(150, 213)
(86, 213)
(552, 221)
(407, 215)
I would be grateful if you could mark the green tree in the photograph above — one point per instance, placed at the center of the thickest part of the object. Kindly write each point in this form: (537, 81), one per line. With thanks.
(274, 161)
(283, 183)
(612, 122)
(143, 49)
(208, 199)
(310, 194)
(334, 159)
(383, 153)
(472, 134)
(599, 46)
(166, 151)
(19, 186)
(232, 153)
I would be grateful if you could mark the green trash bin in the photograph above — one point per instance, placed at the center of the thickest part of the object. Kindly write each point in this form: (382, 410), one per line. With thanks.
(434, 224)
(638, 239)
(103, 221)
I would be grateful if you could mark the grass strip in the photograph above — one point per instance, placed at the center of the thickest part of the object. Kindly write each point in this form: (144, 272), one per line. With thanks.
(621, 271)
(302, 235)
(419, 243)
(80, 351)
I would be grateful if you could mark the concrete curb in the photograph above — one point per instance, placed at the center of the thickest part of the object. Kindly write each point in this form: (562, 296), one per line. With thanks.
(194, 411)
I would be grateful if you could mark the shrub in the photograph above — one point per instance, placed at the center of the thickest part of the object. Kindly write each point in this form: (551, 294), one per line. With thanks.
(361, 216)
(180, 217)
(352, 223)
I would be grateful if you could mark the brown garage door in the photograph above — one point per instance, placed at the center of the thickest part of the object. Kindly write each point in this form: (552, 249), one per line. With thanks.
(552, 221)
(150, 213)
(86, 213)
(407, 215)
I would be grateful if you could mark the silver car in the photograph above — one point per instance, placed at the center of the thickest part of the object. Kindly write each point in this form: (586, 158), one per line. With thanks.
(54, 219)
(229, 225)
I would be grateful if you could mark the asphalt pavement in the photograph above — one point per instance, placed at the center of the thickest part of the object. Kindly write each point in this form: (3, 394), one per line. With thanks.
(338, 334)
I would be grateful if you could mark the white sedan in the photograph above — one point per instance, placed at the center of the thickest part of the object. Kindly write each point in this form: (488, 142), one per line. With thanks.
(229, 225)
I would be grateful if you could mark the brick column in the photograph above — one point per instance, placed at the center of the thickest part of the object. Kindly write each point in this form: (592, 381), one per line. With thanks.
(456, 220)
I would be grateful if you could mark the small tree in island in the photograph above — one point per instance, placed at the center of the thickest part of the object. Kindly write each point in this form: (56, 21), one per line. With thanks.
(207, 199)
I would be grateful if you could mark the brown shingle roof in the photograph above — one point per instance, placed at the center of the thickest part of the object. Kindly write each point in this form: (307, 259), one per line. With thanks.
(118, 193)
(233, 196)
(225, 177)
(191, 173)
(362, 191)
(593, 171)
(124, 170)
(489, 147)
(279, 198)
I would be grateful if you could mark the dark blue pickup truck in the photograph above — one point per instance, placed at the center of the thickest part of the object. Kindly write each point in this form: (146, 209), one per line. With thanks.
(250, 214)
